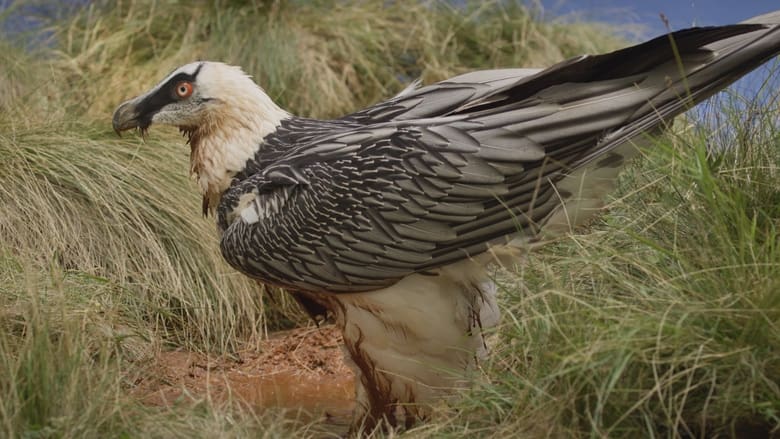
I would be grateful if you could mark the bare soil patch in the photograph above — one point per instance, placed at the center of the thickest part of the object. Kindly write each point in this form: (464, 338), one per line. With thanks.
(301, 369)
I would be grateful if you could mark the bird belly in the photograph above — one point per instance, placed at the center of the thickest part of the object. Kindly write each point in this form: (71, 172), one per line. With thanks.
(417, 340)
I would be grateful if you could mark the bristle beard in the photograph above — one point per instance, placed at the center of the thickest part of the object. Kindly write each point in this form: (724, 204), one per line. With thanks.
(187, 132)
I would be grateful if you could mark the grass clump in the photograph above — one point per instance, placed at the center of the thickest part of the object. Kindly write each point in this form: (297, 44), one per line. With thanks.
(662, 319)
(124, 212)
(50, 352)
(68, 358)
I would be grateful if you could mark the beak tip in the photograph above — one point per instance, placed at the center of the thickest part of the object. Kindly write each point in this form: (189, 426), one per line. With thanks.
(124, 118)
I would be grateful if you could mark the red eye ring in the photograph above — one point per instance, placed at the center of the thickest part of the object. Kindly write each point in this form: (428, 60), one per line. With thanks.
(183, 89)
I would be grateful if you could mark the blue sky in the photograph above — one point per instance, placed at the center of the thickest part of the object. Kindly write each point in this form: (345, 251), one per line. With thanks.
(681, 13)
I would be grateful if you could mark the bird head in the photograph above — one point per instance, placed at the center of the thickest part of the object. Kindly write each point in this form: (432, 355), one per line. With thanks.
(223, 112)
(180, 100)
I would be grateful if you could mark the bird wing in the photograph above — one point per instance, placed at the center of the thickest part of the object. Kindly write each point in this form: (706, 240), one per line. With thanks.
(416, 102)
(364, 206)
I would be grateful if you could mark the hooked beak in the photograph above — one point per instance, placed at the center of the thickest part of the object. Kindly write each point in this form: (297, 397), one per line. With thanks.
(126, 117)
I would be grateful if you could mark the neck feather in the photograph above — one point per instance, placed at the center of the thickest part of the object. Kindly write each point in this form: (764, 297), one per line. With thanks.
(231, 134)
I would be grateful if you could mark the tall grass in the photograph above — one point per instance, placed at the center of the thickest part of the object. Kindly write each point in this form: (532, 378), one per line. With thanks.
(66, 362)
(660, 319)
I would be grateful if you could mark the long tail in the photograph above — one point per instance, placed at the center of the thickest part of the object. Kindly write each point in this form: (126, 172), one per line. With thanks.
(629, 91)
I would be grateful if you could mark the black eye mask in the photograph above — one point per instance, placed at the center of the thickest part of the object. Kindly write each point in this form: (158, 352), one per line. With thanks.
(164, 96)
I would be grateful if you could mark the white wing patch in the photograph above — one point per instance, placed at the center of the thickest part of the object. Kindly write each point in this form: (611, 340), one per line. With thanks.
(250, 215)
(253, 207)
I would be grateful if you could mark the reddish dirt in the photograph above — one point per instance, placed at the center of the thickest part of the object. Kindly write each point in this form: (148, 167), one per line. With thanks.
(298, 369)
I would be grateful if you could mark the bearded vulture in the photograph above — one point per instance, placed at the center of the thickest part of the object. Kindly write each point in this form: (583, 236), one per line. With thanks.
(385, 218)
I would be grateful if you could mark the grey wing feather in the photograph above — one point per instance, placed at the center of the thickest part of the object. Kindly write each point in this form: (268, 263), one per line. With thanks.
(415, 102)
(441, 172)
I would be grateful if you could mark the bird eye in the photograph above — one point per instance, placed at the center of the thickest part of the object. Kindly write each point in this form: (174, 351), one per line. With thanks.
(183, 89)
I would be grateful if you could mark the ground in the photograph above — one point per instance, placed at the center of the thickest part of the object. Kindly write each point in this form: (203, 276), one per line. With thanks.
(301, 369)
